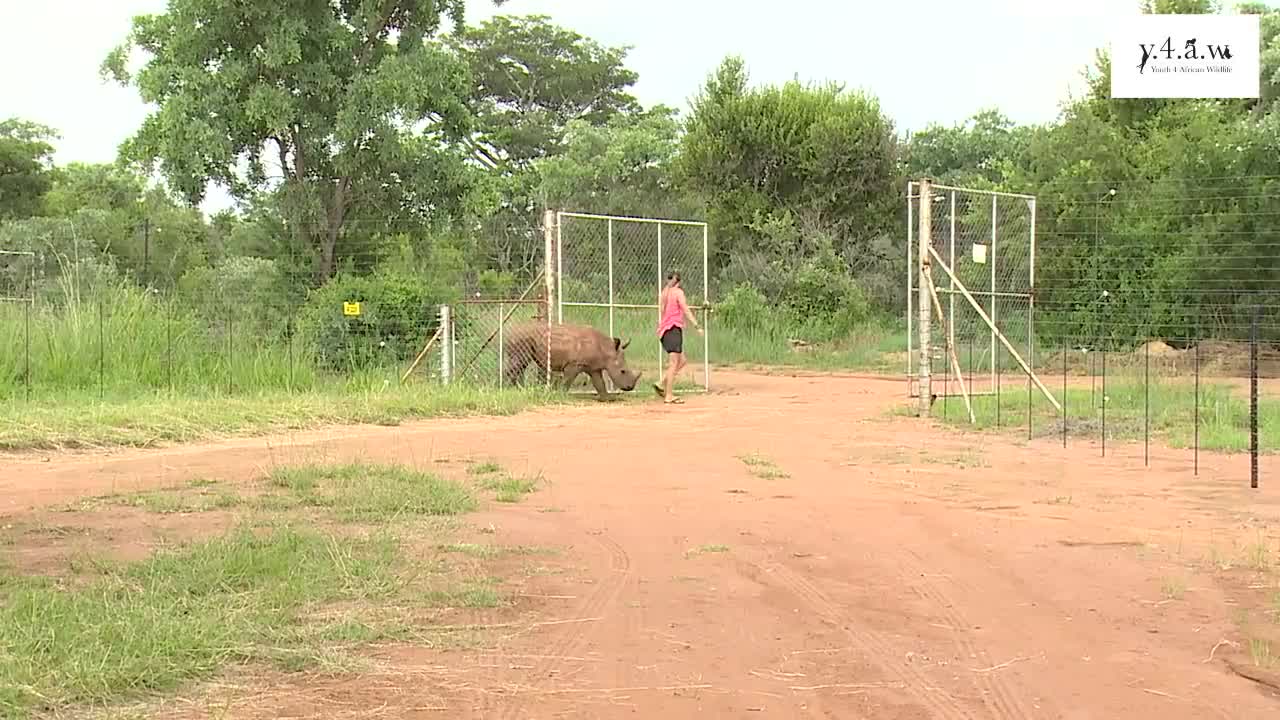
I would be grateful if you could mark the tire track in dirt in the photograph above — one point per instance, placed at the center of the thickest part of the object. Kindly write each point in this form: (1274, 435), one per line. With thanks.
(998, 696)
(572, 634)
(872, 647)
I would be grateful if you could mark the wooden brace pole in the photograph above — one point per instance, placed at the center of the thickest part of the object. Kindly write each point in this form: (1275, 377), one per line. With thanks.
(951, 348)
(515, 305)
(422, 354)
(1003, 340)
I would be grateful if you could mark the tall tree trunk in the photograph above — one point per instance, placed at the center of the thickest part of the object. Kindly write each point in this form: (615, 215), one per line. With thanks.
(328, 241)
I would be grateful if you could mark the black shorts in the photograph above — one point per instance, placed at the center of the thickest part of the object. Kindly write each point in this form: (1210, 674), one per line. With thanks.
(673, 340)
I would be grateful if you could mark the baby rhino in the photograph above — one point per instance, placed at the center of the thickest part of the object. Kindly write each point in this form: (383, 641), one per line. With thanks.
(575, 349)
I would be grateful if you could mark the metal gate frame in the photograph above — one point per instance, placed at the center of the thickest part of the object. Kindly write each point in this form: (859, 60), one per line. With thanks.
(610, 303)
(923, 294)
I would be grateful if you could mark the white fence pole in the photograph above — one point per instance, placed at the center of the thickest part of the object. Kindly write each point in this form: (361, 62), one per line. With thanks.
(995, 214)
(911, 270)
(550, 242)
(661, 354)
(446, 351)
(706, 316)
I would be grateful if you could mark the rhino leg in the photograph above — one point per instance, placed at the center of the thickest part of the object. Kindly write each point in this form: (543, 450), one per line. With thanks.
(514, 371)
(571, 373)
(597, 380)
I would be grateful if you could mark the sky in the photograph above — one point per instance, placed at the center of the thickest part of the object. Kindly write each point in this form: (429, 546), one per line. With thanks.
(927, 60)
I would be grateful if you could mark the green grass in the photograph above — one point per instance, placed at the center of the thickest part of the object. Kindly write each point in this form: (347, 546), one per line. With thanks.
(1173, 588)
(1223, 414)
(271, 591)
(372, 493)
(485, 468)
(181, 615)
(1263, 654)
(706, 550)
(509, 489)
(166, 502)
(762, 467)
(81, 420)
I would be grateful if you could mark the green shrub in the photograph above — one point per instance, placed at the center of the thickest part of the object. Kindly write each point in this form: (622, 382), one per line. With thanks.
(398, 311)
(745, 309)
(250, 289)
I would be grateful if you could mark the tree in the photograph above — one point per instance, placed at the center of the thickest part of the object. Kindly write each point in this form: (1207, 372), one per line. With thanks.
(533, 81)
(144, 230)
(26, 163)
(353, 105)
(984, 150)
(621, 166)
(532, 78)
(819, 152)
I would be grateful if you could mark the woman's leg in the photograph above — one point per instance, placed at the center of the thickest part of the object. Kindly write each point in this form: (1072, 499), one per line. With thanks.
(669, 377)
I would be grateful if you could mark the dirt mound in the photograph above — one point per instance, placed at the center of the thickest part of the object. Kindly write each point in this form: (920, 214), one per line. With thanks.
(1158, 348)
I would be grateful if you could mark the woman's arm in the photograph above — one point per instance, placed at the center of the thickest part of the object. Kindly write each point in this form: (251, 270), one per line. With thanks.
(684, 305)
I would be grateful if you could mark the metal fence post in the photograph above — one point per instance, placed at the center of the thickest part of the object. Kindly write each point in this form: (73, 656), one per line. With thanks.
(608, 381)
(1253, 397)
(550, 262)
(911, 266)
(661, 354)
(501, 347)
(446, 350)
(706, 316)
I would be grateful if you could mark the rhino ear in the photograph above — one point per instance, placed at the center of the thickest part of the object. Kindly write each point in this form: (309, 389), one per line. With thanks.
(624, 345)
(617, 344)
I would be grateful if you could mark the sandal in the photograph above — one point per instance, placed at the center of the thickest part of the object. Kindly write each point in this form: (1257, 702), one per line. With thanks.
(658, 389)
(674, 401)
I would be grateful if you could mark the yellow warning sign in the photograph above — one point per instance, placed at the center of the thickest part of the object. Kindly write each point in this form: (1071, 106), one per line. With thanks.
(350, 309)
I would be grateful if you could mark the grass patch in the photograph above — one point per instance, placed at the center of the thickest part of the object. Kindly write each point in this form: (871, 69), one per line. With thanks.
(706, 550)
(1258, 554)
(762, 467)
(1223, 413)
(82, 420)
(487, 552)
(379, 493)
(472, 596)
(1263, 653)
(1173, 588)
(150, 626)
(165, 502)
(484, 468)
(509, 489)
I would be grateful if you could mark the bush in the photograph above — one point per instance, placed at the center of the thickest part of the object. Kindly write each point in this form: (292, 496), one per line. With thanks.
(745, 309)
(250, 289)
(398, 312)
(821, 297)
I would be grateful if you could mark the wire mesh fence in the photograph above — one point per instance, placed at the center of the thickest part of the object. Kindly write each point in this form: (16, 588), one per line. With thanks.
(1151, 321)
(982, 259)
(249, 314)
(611, 270)
(499, 343)
(17, 296)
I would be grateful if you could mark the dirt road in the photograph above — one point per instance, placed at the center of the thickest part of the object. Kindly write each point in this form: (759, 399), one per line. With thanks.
(856, 565)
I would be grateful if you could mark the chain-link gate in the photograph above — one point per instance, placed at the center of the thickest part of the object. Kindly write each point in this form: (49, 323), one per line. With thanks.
(497, 343)
(609, 271)
(982, 244)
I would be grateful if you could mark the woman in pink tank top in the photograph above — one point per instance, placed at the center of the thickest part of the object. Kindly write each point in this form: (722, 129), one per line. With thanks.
(672, 310)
